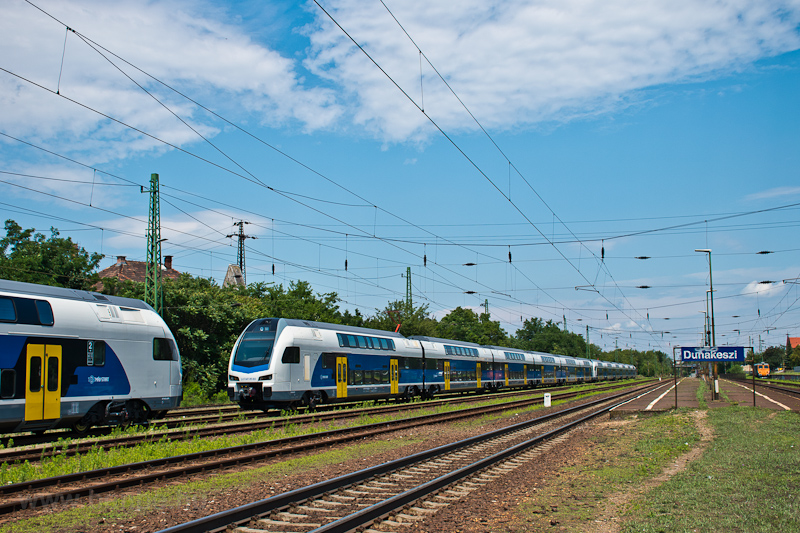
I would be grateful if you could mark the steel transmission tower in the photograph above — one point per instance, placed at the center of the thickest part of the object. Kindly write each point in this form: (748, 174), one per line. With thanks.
(240, 251)
(409, 305)
(153, 291)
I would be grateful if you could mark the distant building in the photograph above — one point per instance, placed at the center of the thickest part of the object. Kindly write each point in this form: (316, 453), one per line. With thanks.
(793, 341)
(233, 277)
(124, 269)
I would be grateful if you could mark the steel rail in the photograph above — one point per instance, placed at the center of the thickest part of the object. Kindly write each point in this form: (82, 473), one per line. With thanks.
(241, 515)
(312, 441)
(49, 450)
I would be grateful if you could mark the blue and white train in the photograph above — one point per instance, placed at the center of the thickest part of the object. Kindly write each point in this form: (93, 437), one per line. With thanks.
(278, 362)
(71, 358)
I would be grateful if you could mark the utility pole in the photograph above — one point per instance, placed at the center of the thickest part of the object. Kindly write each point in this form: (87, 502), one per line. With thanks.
(153, 290)
(409, 303)
(240, 251)
(587, 341)
(485, 306)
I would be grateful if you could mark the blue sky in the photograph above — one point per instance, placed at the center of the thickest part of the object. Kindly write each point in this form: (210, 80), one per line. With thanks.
(581, 136)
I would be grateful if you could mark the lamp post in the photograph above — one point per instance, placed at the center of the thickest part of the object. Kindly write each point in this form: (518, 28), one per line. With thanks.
(715, 393)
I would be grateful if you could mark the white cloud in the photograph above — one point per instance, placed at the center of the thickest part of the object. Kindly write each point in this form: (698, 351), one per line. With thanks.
(515, 63)
(178, 42)
(756, 288)
(778, 192)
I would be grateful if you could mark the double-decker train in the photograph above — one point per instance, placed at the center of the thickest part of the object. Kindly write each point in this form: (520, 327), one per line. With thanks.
(71, 358)
(279, 362)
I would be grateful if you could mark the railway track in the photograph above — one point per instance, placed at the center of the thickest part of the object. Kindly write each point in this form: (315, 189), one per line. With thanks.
(229, 426)
(192, 416)
(393, 495)
(793, 391)
(68, 488)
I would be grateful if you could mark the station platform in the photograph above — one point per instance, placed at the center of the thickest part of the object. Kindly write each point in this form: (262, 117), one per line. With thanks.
(663, 397)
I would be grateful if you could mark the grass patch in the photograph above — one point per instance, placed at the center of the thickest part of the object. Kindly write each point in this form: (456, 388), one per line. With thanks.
(627, 453)
(179, 496)
(748, 479)
(702, 389)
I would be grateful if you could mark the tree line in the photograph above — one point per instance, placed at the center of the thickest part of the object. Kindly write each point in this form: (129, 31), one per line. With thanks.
(206, 319)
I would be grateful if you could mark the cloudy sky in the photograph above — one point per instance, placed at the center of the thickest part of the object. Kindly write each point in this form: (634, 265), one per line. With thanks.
(572, 137)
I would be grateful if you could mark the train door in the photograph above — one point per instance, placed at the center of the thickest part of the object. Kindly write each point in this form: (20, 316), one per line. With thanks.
(447, 375)
(341, 377)
(505, 373)
(525, 374)
(394, 376)
(478, 374)
(43, 390)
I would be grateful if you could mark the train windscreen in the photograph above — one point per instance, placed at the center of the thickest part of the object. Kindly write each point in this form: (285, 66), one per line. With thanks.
(255, 349)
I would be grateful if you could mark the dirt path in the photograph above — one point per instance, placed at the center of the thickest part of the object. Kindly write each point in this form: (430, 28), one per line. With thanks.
(608, 518)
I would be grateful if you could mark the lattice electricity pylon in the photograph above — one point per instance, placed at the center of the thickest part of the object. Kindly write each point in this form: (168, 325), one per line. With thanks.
(240, 252)
(153, 291)
(409, 303)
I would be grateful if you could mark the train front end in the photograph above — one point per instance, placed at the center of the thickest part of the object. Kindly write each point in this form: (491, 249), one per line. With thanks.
(252, 368)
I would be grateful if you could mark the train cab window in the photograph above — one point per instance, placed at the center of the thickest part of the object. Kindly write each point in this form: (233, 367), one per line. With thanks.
(95, 353)
(8, 383)
(162, 350)
(291, 355)
(7, 311)
(35, 377)
(45, 312)
(52, 374)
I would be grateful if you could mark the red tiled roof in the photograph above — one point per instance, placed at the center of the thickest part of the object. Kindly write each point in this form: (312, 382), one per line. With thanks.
(124, 269)
(793, 342)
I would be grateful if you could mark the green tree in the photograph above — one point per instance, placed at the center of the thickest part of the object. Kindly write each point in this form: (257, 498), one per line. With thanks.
(415, 321)
(538, 336)
(30, 257)
(794, 359)
(465, 325)
(774, 356)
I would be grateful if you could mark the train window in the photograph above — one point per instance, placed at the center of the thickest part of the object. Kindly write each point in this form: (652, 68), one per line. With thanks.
(162, 350)
(52, 374)
(430, 364)
(254, 351)
(99, 353)
(291, 355)
(8, 383)
(7, 311)
(35, 376)
(328, 361)
(384, 344)
(95, 353)
(45, 312)
(351, 341)
(362, 342)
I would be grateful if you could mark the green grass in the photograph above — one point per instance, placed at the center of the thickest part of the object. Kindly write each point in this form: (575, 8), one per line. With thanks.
(747, 480)
(615, 461)
(112, 510)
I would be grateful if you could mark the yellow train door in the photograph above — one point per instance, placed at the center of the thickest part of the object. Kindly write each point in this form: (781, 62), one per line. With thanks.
(43, 383)
(394, 376)
(341, 377)
(478, 374)
(525, 374)
(447, 375)
(506, 373)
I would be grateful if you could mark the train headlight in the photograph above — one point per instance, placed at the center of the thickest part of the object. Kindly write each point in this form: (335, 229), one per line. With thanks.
(265, 377)
(232, 378)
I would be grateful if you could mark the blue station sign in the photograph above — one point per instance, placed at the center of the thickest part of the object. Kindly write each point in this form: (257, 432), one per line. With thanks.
(712, 354)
